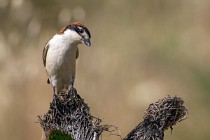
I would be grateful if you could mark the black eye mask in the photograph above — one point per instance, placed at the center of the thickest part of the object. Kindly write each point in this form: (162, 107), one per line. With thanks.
(79, 29)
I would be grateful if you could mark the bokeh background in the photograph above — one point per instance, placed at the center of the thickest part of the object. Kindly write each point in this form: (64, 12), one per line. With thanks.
(142, 50)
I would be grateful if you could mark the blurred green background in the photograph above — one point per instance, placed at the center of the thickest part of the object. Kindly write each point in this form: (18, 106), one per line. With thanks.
(142, 50)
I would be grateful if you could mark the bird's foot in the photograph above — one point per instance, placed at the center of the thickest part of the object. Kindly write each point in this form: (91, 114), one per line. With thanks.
(54, 91)
(71, 87)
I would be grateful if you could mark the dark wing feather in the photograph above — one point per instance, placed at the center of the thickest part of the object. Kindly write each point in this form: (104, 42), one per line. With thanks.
(77, 53)
(44, 54)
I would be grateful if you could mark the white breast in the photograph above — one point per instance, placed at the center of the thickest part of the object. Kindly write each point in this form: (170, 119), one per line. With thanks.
(60, 61)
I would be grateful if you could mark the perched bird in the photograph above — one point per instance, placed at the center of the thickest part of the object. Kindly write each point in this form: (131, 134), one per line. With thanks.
(60, 54)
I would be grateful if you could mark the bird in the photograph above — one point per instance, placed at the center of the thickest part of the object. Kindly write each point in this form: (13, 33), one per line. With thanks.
(60, 54)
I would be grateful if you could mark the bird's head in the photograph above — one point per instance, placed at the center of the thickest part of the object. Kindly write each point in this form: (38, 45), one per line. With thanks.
(77, 32)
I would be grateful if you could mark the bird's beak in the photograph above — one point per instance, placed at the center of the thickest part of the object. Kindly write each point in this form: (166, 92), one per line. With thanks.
(87, 42)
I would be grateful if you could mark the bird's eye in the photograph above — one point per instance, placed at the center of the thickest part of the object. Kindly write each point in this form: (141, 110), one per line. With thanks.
(81, 31)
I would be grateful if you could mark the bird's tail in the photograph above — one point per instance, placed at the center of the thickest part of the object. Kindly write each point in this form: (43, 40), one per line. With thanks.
(48, 81)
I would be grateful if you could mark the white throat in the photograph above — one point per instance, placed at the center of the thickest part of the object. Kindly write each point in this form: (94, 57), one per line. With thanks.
(68, 38)
(71, 37)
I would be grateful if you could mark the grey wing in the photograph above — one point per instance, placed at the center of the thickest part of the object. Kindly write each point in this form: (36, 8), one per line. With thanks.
(77, 53)
(44, 54)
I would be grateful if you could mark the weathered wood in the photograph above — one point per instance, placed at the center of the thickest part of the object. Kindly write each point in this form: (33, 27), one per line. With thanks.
(69, 114)
(158, 117)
